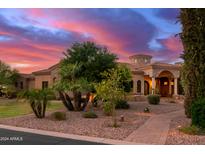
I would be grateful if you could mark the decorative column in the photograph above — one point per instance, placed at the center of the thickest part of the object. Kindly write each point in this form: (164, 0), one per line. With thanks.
(175, 86)
(142, 87)
(170, 87)
(134, 86)
(153, 85)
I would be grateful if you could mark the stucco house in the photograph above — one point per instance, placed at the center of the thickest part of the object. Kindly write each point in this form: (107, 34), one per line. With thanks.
(147, 77)
(150, 78)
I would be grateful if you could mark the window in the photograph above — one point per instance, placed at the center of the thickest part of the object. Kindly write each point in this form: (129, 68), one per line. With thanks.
(21, 85)
(138, 86)
(16, 84)
(44, 84)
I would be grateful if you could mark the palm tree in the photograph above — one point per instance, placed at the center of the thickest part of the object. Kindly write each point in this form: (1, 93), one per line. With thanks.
(70, 82)
(38, 100)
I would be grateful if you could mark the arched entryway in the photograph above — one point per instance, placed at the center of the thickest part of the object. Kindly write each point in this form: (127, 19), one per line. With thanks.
(165, 83)
(146, 88)
(164, 86)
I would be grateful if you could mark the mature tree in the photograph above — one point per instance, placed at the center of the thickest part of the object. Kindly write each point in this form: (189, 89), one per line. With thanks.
(193, 70)
(81, 67)
(7, 75)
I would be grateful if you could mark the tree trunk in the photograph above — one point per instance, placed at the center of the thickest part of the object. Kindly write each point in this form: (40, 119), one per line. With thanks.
(77, 100)
(39, 109)
(66, 101)
(33, 108)
(69, 102)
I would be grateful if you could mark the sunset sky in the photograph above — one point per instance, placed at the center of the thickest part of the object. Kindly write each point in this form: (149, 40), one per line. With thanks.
(33, 39)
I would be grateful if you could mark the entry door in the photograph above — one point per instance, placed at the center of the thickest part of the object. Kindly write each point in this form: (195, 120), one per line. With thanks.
(164, 87)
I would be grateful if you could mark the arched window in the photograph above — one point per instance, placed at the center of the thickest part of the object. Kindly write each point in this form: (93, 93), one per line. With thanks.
(138, 86)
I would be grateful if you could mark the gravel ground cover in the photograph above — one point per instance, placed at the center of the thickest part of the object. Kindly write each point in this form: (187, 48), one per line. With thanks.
(99, 127)
(176, 137)
(76, 124)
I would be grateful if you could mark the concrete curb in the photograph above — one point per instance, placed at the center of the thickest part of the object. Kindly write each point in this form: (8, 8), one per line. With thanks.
(69, 136)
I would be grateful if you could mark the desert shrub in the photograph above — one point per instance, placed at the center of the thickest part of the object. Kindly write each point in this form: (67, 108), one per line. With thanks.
(198, 113)
(89, 114)
(107, 108)
(153, 99)
(122, 104)
(59, 116)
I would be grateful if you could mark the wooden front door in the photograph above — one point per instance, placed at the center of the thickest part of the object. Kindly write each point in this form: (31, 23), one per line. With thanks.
(164, 87)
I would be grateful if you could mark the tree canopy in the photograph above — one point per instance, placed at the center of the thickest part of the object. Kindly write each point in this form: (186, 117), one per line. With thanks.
(92, 59)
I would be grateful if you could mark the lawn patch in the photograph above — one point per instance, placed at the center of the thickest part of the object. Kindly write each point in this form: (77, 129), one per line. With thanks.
(14, 108)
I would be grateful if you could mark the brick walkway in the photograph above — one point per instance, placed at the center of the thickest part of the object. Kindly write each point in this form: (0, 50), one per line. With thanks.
(155, 130)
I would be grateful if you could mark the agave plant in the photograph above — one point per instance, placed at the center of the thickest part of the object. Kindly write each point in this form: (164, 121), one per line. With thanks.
(38, 100)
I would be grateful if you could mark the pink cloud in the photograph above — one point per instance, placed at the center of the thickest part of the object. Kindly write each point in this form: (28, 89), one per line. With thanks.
(123, 31)
(36, 13)
(101, 36)
(173, 44)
